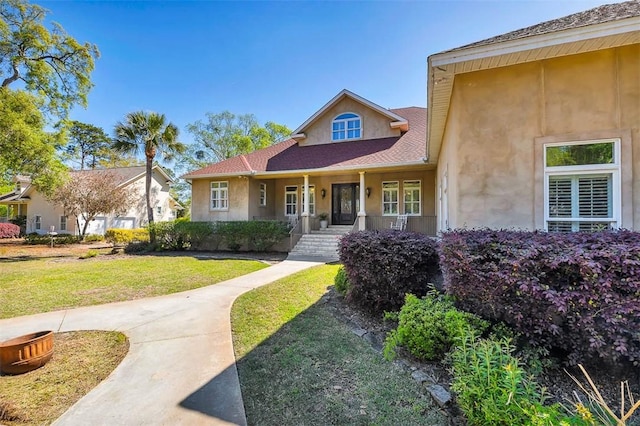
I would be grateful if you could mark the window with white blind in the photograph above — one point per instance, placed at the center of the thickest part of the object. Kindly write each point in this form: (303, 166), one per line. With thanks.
(582, 186)
(291, 200)
(411, 190)
(219, 195)
(390, 198)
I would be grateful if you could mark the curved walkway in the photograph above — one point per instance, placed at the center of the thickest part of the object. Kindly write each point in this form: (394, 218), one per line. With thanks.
(180, 369)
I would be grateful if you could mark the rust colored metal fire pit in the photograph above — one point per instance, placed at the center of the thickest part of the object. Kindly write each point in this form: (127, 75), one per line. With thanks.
(25, 353)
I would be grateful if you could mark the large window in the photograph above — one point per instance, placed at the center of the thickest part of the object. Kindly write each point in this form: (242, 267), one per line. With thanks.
(411, 191)
(263, 194)
(219, 195)
(291, 200)
(346, 126)
(312, 199)
(582, 186)
(63, 223)
(390, 198)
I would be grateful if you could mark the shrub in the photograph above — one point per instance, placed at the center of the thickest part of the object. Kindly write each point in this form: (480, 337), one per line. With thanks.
(383, 266)
(140, 247)
(429, 327)
(341, 281)
(492, 389)
(264, 234)
(37, 239)
(89, 254)
(233, 234)
(125, 236)
(9, 230)
(578, 293)
(93, 238)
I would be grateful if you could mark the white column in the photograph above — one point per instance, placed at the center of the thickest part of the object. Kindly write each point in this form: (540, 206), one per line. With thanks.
(362, 213)
(306, 225)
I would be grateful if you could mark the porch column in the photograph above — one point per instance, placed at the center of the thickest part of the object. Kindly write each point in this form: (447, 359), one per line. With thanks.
(306, 225)
(362, 214)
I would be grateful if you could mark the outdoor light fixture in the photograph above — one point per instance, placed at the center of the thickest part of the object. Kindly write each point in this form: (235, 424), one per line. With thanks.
(323, 192)
(368, 191)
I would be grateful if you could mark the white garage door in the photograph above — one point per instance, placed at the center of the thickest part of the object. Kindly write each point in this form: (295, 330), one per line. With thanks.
(124, 222)
(97, 226)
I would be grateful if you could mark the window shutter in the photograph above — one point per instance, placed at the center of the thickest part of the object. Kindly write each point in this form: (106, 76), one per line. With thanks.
(560, 197)
(594, 196)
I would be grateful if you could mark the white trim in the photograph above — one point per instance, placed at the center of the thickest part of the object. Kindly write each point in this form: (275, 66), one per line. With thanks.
(220, 199)
(404, 206)
(262, 195)
(536, 42)
(397, 202)
(295, 192)
(346, 93)
(346, 129)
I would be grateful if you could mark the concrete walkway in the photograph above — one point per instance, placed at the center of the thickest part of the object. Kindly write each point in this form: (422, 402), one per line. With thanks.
(180, 369)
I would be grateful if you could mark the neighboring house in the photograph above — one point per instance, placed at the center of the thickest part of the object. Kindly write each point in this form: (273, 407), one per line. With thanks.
(359, 162)
(42, 215)
(537, 128)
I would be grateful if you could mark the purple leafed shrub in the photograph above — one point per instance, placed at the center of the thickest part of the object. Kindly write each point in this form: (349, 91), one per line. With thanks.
(9, 230)
(383, 266)
(578, 293)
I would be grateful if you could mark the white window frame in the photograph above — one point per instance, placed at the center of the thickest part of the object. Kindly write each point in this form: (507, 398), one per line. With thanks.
(412, 201)
(344, 123)
(312, 199)
(291, 190)
(63, 223)
(612, 169)
(219, 194)
(263, 195)
(159, 210)
(391, 203)
(38, 222)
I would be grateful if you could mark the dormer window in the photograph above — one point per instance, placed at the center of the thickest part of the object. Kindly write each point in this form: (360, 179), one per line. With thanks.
(346, 126)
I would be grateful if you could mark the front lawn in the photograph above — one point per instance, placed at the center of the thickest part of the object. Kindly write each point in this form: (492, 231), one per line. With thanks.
(41, 285)
(299, 365)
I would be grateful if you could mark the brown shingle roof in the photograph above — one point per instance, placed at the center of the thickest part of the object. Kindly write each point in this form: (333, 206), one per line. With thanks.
(597, 15)
(288, 155)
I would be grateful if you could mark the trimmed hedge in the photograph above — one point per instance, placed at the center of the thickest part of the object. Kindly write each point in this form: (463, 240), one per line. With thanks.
(181, 235)
(383, 266)
(44, 239)
(120, 236)
(578, 293)
(9, 230)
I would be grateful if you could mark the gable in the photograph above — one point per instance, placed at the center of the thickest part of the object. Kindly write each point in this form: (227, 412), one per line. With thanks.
(374, 125)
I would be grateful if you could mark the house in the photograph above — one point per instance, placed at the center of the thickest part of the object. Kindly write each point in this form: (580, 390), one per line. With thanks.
(361, 163)
(42, 216)
(533, 129)
(537, 128)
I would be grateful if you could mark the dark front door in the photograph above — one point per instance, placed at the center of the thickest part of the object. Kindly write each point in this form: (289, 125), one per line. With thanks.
(344, 206)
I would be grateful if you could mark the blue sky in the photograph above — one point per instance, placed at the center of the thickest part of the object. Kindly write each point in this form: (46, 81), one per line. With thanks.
(281, 61)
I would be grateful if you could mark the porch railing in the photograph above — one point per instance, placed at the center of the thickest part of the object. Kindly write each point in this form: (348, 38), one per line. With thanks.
(422, 224)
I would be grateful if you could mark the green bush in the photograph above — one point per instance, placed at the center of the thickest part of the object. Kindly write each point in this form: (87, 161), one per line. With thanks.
(126, 236)
(93, 238)
(492, 389)
(140, 247)
(341, 281)
(430, 326)
(37, 239)
(264, 234)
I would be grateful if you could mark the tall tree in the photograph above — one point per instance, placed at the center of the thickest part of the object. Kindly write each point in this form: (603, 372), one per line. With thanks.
(49, 63)
(225, 135)
(148, 133)
(91, 193)
(25, 147)
(87, 145)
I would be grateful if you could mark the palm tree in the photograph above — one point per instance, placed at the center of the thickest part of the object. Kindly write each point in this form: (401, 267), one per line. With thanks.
(148, 132)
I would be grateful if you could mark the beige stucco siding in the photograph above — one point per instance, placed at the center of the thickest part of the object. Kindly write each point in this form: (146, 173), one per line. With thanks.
(50, 216)
(374, 124)
(238, 200)
(498, 119)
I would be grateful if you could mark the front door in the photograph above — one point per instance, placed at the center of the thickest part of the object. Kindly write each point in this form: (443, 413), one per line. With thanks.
(345, 203)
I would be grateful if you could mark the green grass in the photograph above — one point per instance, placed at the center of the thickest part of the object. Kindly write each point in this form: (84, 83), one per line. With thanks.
(34, 286)
(298, 365)
(81, 360)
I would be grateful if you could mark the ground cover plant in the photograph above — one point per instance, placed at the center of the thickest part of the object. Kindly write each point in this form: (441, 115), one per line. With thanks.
(576, 294)
(300, 365)
(34, 286)
(383, 266)
(81, 361)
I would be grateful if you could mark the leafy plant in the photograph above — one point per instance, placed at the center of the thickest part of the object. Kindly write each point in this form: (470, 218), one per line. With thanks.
(577, 292)
(341, 281)
(383, 266)
(89, 254)
(323, 216)
(430, 326)
(126, 236)
(9, 230)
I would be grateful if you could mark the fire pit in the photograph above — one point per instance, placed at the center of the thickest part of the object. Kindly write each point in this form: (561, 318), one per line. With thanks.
(25, 353)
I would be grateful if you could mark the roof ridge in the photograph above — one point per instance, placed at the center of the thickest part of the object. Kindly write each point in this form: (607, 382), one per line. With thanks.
(245, 162)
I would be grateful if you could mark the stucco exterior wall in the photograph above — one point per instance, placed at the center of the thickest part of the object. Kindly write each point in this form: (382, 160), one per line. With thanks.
(499, 118)
(238, 200)
(255, 209)
(374, 125)
(50, 216)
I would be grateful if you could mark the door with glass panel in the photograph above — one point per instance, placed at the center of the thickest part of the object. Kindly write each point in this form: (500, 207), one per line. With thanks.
(344, 203)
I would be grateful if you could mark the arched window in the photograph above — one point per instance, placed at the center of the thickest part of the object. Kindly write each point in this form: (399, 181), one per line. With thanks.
(346, 126)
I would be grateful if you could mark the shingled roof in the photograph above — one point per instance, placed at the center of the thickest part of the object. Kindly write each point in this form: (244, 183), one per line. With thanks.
(288, 155)
(597, 15)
